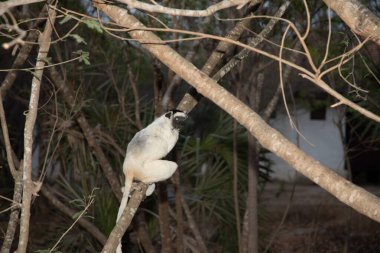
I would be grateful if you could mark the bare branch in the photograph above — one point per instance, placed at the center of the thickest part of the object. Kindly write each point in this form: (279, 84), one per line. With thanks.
(271, 105)
(23, 54)
(7, 143)
(12, 27)
(4, 6)
(225, 4)
(235, 185)
(358, 17)
(193, 226)
(14, 217)
(253, 43)
(132, 80)
(125, 219)
(178, 213)
(8, 82)
(191, 98)
(44, 42)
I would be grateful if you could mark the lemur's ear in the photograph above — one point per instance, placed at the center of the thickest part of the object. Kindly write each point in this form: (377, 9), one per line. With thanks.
(169, 114)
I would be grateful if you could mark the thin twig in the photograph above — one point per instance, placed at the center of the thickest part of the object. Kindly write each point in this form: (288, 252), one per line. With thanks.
(291, 122)
(328, 41)
(83, 222)
(235, 186)
(7, 143)
(132, 80)
(193, 226)
(92, 199)
(179, 213)
(283, 218)
(307, 20)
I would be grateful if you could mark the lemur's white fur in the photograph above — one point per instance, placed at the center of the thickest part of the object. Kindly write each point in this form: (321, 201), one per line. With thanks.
(144, 152)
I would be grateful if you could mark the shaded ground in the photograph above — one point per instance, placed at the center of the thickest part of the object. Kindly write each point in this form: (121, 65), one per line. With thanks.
(316, 222)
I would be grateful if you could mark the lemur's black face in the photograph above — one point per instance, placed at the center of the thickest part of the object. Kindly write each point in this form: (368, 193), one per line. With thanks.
(178, 118)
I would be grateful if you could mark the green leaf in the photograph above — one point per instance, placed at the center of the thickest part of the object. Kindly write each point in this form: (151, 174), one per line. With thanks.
(83, 56)
(94, 25)
(78, 38)
(65, 19)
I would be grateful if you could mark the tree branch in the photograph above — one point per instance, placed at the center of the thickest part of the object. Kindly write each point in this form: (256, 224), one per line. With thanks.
(13, 218)
(358, 17)
(178, 213)
(253, 42)
(181, 12)
(193, 226)
(4, 6)
(44, 42)
(191, 98)
(125, 219)
(9, 80)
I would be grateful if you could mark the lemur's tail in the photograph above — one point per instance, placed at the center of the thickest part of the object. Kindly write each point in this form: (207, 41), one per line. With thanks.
(124, 202)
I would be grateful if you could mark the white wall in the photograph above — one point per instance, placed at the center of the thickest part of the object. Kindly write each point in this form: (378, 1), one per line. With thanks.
(324, 138)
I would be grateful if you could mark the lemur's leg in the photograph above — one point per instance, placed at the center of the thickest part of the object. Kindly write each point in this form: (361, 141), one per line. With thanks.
(150, 189)
(155, 171)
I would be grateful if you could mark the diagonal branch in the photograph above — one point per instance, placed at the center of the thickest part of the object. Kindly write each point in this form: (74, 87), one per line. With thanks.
(358, 17)
(125, 219)
(191, 98)
(252, 42)
(193, 226)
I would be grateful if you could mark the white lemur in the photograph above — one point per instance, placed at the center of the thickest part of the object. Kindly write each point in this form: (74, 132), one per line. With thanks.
(145, 150)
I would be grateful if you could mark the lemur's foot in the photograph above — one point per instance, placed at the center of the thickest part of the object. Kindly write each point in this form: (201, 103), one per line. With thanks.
(150, 189)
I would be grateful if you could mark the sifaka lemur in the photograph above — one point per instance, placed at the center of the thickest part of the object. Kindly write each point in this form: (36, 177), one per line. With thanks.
(143, 161)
